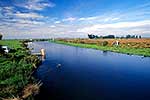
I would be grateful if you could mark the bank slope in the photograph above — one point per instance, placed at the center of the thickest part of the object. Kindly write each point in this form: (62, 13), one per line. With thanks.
(131, 51)
(16, 68)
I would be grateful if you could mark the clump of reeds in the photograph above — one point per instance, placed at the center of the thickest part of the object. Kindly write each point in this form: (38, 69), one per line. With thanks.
(31, 89)
(28, 91)
(14, 98)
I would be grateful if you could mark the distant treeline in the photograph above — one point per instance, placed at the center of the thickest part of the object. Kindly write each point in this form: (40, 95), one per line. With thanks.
(91, 36)
(32, 40)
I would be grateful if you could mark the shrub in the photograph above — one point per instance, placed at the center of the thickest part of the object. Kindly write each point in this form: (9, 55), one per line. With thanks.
(104, 43)
(1, 36)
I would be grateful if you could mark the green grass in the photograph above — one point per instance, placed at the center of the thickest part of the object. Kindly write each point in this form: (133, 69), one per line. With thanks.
(15, 69)
(14, 44)
(131, 51)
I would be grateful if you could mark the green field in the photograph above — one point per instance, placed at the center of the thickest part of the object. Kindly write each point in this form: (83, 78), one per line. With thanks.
(131, 51)
(11, 43)
(15, 69)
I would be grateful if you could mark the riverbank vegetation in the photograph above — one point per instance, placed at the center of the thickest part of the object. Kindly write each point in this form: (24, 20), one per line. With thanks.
(127, 46)
(16, 69)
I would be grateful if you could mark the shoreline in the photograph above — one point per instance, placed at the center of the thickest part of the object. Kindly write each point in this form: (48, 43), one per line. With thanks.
(130, 51)
(16, 70)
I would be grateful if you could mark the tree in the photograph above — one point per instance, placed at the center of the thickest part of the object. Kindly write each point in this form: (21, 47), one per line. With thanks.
(91, 36)
(136, 36)
(1, 36)
(122, 37)
(128, 36)
(133, 36)
(140, 37)
(104, 43)
(109, 36)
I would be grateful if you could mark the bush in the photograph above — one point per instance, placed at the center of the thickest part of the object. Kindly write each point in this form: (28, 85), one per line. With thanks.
(1, 50)
(1, 36)
(104, 43)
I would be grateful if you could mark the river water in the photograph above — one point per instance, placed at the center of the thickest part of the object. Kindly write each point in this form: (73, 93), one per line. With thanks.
(73, 73)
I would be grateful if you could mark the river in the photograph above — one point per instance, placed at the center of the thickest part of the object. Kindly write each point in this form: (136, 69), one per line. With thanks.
(73, 73)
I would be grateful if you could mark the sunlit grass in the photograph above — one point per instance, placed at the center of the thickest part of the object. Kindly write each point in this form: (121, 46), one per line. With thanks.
(14, 44)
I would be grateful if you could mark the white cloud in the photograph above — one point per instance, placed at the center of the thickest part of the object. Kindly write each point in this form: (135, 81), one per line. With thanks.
(88, 18)
(57, 22)
(28, 15)
(69, 19)
(34, 25)
(8, 8)
(20, 23)
(102, 18)
(116, 28)
(110, 19)
(11, 17)
(115, 19)
(7, 11)
(52, 26)
(36, 4)
(29, 22)
(25, 29)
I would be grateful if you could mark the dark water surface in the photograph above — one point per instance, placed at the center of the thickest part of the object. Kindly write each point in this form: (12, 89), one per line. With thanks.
(87, 74)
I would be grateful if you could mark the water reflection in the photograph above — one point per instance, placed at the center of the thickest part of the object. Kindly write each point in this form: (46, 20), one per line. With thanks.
(43, 57)
(105, 53)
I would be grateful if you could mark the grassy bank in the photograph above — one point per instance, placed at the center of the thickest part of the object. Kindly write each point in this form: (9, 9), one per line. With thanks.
(16, 68)
(126, 50)
(14, 44)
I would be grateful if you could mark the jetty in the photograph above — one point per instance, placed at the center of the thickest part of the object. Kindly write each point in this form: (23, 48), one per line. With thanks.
(41, 55)
(37, 54)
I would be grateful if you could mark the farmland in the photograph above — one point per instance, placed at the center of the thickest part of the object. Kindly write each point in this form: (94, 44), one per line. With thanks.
(127, 46)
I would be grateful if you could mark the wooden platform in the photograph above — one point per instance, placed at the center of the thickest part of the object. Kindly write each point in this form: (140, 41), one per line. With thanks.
(37, 54)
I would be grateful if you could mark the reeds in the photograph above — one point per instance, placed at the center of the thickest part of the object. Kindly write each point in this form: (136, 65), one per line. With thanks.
(31, 89)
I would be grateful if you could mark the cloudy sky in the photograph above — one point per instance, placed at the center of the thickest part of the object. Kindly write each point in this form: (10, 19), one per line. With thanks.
(73, 18)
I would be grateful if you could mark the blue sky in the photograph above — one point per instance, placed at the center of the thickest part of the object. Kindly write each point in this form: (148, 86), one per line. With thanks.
(73, 18)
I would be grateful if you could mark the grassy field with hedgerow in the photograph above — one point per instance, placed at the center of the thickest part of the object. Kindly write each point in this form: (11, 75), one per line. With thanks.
(16, 68)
